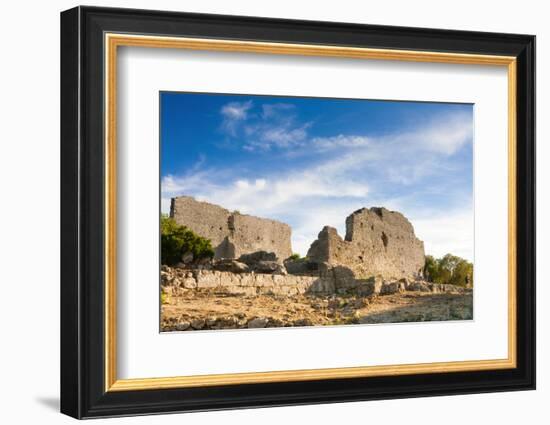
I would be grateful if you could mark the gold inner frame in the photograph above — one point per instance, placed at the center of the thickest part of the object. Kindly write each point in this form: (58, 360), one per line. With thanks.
(113, 41)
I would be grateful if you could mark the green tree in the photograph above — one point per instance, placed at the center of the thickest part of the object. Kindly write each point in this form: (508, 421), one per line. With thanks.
(178, 240)
(449, 269)
(294, 257)
(431, 268)
(463, 273)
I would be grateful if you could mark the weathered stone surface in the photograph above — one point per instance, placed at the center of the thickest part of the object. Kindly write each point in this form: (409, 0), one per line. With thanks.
(303, 322)
(258, 322)
(231, 233)
(371, 286)
(377, 242)
(178, 280)
(389, 288)
(336, 280)
(404, 282)
(320, 286)
(208, 279)
(189, 283)
(198, 324)
(227, 265)
(254, 257)
(187, 258)
(447, 288)
(419, 286)
(269, 267)
(183, 326)
(301, 266)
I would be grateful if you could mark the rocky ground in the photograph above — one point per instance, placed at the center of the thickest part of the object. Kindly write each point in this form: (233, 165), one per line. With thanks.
(211, 310)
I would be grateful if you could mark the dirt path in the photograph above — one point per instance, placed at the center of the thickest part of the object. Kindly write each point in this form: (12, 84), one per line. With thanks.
(207, 310)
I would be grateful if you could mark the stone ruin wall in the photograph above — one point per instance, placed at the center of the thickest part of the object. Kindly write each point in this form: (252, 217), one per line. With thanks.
(249, 284)
(378, 242)
(176, 281)
(231, 233)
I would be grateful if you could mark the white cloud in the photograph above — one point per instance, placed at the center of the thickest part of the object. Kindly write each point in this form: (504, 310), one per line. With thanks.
(236, 110)
(272, 109)
(339, 142)
(306, 199)
(278, 193)
(311, 199)
(234, 113)
(344, 173)
(447, 232)
(280, 132)
(275, 126)
(444, 135)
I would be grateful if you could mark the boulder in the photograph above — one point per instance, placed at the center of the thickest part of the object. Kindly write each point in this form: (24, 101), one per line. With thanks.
(269, 267)
(258, 322)
(419, 286)
(198, 324)
(454, 289)
(404, 282)
(303, 322)
(232, 266)
(187, 258)
(189, 283)
(183, 326)
(255, 257)
(301, 266)
(369, 287)
(166, 278)
(389, 288)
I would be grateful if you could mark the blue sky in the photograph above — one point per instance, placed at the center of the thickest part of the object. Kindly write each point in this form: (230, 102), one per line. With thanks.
(311, 162)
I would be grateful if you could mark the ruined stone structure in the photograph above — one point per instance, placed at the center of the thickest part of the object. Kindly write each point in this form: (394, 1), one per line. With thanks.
(245, 283)
(177, 281)
(378, 242)
(231, 233)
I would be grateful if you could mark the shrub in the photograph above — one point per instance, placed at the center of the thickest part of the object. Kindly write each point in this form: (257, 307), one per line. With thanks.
(294, 257)
(177, 240)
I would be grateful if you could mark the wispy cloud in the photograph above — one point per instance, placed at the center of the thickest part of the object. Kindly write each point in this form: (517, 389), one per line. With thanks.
(272, 126)
(324, 144)
(279, 192)
(318, 181)
(234, 113)
(445, 134)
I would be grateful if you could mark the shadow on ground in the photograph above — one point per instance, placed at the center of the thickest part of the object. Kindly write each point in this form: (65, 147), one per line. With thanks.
(49, 402)
(436, 307)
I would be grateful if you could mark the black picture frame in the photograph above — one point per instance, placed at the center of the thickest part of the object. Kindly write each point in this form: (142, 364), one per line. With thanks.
(83, 392)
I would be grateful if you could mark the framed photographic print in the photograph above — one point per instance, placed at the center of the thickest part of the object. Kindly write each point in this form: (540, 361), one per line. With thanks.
(261, 212)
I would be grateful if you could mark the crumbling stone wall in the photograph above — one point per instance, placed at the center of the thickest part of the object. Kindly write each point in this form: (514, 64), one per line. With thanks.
(176, 281)
(231, 233)
(245, 283)
(378, 242)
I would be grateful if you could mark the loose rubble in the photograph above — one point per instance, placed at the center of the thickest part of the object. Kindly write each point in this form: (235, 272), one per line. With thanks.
(205, 299)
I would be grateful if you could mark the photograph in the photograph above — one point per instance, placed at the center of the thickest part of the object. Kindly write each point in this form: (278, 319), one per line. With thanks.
(286, 211)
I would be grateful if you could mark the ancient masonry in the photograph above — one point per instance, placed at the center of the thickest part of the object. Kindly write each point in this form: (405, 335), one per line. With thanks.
(176, 281)
(377, 242)
(232, 234)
